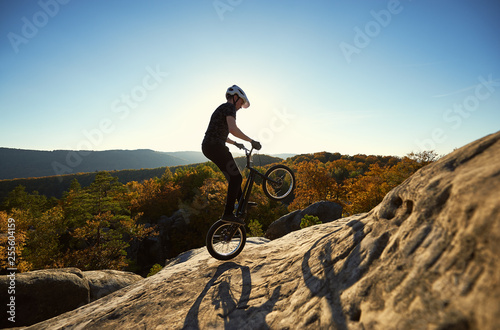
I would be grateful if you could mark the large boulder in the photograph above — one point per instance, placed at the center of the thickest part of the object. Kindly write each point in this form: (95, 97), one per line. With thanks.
(324, 210)
(42, 294)
(104, 282)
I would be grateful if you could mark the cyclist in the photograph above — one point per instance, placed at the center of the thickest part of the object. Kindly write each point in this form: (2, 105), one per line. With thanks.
(223, 122)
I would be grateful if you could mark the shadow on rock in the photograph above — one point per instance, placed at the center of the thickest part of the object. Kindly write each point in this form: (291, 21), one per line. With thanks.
(330, 284)
(223, 293)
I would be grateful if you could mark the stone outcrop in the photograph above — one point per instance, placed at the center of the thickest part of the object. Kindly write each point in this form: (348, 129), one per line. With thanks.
(42, 294)
(324, 210)
(427, 257)
(104, 282)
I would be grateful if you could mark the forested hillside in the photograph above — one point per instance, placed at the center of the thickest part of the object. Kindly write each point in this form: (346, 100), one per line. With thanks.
(19, 163)
(102, 225)
(55, 185)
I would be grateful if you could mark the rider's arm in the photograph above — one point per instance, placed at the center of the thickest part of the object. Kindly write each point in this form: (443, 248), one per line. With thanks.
(234, 130)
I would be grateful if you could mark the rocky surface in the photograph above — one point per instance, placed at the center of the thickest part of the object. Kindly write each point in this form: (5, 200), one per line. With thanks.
(104, 282)
(42, 294)
(324, 210)
(427, 257)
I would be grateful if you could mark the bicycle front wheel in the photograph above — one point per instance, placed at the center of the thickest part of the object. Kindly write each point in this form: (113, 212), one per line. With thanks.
(225, 240)
(279, 182)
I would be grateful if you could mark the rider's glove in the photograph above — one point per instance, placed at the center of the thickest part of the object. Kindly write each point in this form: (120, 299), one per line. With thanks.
(239, 145)
(256, 145)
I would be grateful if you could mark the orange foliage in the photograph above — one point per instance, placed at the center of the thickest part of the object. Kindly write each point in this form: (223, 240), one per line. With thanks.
(13, 231)
(154, 198)
(314, 183)
(366, 191)
(358, 183)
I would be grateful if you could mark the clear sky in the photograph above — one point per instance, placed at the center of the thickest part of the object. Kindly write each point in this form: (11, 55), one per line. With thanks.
(371, 77)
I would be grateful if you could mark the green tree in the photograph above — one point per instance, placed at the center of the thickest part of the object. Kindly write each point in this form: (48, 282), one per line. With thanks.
(18, 198)
(255, 228)
(309, 220)
(101, 225)
(154, 270)
(43, 248)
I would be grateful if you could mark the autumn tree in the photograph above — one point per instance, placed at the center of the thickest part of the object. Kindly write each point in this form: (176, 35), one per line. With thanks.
(192, 178)
(366, 191)
(13, 228)
(314, 183)
(153, 198)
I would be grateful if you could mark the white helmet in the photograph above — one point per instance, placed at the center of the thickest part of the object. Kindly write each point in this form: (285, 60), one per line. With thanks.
(238, 91)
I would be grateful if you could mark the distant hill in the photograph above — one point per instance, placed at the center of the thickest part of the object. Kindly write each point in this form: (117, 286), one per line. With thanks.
(284, 156)
(20, 163)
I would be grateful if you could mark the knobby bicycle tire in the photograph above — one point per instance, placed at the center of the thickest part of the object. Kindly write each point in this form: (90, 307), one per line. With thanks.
(284, 185)
(220, 245)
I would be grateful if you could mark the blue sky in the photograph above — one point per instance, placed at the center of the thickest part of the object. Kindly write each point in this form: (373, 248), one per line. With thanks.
(371, 77)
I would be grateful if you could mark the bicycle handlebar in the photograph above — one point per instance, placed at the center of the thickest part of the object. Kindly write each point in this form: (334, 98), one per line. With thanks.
(247, 151)
(242, 147)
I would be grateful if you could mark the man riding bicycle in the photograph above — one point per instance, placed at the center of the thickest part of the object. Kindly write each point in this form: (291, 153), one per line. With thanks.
(223, 122)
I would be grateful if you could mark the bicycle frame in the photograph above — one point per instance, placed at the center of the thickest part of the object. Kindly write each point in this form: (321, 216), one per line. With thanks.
(245, 196)
(247, 190)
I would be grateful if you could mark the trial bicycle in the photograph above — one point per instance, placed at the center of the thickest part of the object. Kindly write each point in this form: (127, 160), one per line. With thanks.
(226, 240)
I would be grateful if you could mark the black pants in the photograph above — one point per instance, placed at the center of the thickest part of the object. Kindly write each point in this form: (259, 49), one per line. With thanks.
(221, 156)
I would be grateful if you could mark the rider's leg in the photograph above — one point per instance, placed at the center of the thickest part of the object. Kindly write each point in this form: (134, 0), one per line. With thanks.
(233, 192)
(221, 156)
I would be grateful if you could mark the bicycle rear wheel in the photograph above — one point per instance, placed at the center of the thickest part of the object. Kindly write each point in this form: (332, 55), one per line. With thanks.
(225, 240)
(279, 182)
